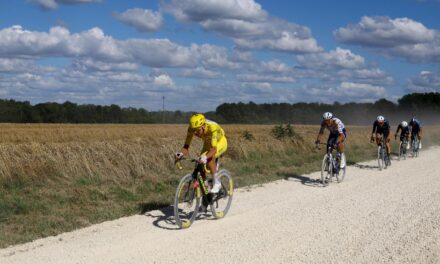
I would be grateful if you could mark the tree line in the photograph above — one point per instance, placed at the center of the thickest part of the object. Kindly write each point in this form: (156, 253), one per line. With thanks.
(425, 106)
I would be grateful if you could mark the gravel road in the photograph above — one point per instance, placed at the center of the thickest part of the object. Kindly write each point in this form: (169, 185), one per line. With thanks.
(389, 216)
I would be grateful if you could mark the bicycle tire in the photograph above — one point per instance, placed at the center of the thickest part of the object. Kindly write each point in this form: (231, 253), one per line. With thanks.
(326, 170)
(340, 176)
(222, 200)
(415, 148)
(380, 159)
(400, 150)
(186, 202)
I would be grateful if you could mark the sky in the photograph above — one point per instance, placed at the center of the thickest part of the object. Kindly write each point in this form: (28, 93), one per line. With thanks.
(194, 55)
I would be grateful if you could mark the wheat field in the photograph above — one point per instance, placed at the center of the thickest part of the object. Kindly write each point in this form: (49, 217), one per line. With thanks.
(58, 177)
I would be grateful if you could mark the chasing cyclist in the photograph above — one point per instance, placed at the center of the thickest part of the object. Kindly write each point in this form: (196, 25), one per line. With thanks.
(214, 144)
(404, 131)
(337, 134)
(382, 128)
(416, 130)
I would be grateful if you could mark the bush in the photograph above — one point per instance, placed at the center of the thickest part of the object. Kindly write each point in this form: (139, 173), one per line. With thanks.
(280, 132)
(248, 135)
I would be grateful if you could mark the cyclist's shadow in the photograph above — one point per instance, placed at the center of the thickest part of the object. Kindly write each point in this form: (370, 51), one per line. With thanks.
(164, 215)
(372, 167)
(307, 181)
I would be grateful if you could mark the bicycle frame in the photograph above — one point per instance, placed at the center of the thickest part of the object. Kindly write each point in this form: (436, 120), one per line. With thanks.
(330, 164)
(382, 157)
(196, 191)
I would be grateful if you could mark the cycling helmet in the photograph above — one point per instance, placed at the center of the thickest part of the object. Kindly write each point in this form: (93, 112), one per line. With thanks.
(413, 119)
(197, 121)
(404, 124)
(380, 118)
(327, 116)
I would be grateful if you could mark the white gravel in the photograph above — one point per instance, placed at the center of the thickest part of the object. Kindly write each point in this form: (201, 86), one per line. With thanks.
(389, 216)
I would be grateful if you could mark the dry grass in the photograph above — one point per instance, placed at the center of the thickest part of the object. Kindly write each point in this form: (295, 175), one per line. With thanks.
(56, 178)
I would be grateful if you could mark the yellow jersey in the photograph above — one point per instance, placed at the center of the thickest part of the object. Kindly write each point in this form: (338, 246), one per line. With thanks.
(211, 136)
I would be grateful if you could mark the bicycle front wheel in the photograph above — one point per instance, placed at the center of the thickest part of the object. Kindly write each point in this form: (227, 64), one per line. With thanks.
(341, 173)
(186, 201)
(326, 170)
(380, 158)
(401, 150)
(221, 202)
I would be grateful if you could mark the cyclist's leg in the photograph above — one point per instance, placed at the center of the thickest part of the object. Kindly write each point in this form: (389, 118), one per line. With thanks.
(332, 139)
(222, 146)
(387, 137)
(341, 149)
(378, 138)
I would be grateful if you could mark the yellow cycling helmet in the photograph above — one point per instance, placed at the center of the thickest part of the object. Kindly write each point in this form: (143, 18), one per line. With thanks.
(197, 121)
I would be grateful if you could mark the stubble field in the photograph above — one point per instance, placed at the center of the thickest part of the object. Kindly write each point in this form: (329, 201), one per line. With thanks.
(55, 178)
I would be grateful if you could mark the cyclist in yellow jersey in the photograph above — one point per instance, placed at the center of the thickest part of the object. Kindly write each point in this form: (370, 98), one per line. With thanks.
(214, 144)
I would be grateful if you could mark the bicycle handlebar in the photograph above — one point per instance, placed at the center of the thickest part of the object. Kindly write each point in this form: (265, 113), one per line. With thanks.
(178, 162)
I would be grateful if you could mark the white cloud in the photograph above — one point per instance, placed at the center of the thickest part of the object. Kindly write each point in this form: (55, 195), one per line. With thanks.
(53, 4)
(400, 37)
(59, 42)
(93, 65)
(360, 90)
(202, 10)
(200, 73)
(385, 32)
(264, 78)
(246, 23)
(343, 92)
(338, 58)
(142, 19)
(14, 65)
(163, 80)
(426, 81)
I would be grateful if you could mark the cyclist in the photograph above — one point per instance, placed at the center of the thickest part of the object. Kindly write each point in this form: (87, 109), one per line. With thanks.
(337, 134)
(214, 144)
(382, 127)
(416, 130)
(404, 131)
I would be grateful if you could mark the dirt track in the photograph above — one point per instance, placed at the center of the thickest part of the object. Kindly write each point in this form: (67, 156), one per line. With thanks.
(390, 216)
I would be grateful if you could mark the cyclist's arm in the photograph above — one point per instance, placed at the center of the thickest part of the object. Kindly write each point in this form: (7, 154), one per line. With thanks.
(189, 136)
(398, 128)
(374, 129)
(321, 132)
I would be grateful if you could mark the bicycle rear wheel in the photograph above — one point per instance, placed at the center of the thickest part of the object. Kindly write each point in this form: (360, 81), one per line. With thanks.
(326, 170)
(186, 202)
(221, 202)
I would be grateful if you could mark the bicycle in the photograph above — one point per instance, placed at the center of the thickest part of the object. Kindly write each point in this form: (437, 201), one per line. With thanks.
(330, 166)
(403, 146)
(192, 189)
(382, 156)
(415, 147)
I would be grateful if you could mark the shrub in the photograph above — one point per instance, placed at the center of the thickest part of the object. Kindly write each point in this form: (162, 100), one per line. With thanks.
(248, 135)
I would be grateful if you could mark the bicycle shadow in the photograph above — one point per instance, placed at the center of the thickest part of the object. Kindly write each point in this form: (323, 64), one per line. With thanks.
(393, 156)
(366, 167)
(164, 215)
(307, 181)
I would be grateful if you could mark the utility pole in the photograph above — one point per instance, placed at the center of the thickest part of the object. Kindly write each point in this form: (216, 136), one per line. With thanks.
(163, 109)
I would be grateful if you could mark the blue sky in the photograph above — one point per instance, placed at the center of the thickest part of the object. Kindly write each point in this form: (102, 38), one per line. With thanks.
(202, 53)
